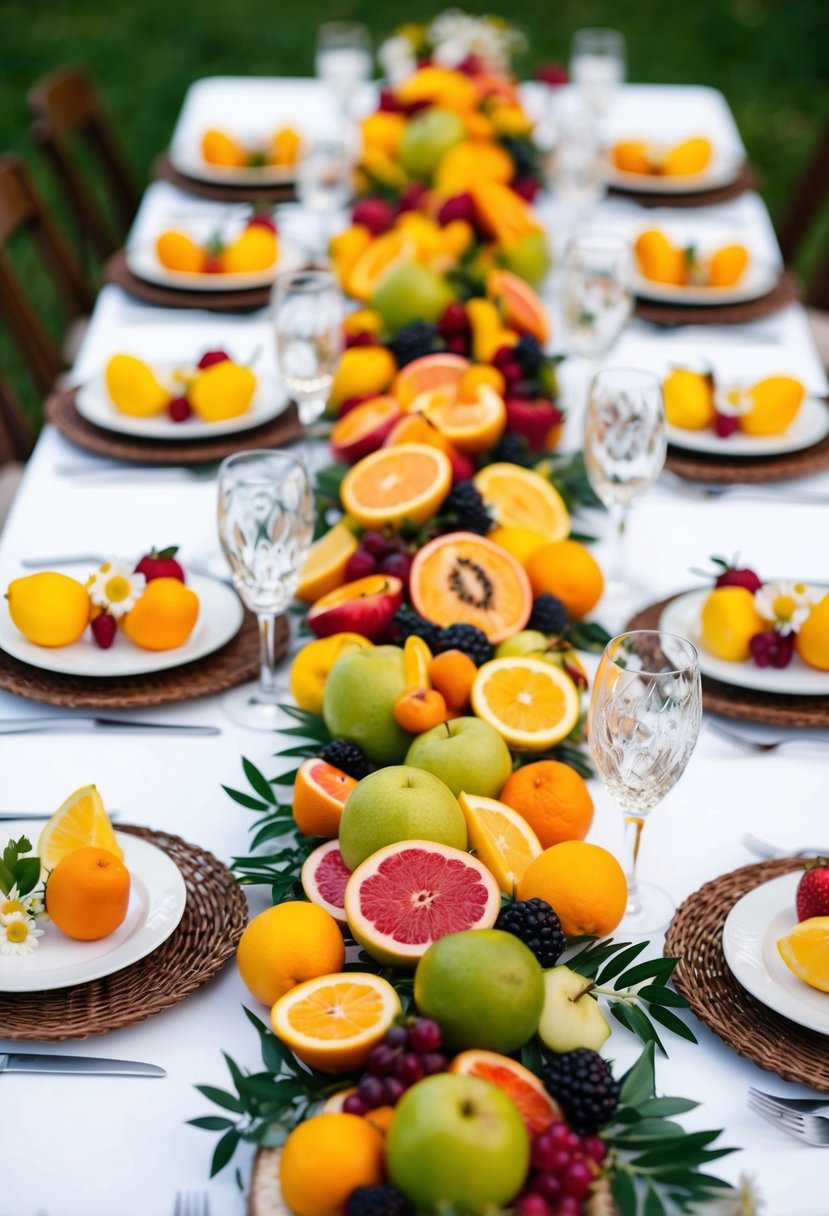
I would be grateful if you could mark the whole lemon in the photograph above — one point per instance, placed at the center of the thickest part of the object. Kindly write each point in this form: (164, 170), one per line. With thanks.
(689, 399)
(49, 609)
(256, 248)
(729, 621)
(774, 405)
(133, 387)
(812, 642)
(164, 617)
(286, 945)
(224, 390)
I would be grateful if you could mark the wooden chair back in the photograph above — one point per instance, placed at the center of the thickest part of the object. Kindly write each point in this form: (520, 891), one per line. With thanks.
(66, 109)
(22, 209)
(16, 437)
(810, 195)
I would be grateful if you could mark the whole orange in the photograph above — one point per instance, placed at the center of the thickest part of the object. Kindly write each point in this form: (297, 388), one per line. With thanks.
(583, 883)
(325, 1158)
(164, 616)
(812, 642)
(554, 800)
(569, 571)
(285, 945)
(87, 894)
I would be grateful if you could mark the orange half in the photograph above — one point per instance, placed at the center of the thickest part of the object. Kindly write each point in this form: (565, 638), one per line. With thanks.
(536, 1107)
(520, 498)
(428, 372)
(320, 792)
(404, 483)
(324, 568)
(332, 1023)
(531, 703)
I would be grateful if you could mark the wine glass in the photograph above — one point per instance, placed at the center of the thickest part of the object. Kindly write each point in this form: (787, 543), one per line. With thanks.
(308, 310)
(323, 184)
(597, 66)
(576, 165)
(596, 292)
(643, 722)
(343, 59)
(624, 450)
(266, 522)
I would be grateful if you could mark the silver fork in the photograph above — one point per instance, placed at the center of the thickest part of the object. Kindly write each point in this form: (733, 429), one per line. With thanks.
(762, 848)
(773, 1102)
(814, 1129)
(191, 1203)
(755, 745)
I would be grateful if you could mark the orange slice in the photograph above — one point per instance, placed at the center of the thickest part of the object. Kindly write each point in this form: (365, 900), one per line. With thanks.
(537, 1108)
(805, 951)
(416, 659)
(385, 252)
(80, 823)
(501, 838)
(470, 426)
(532, 704)
(324, 568)
(428, 372)
(404, 483)
(332, 1023)
(320, 792)
(520, 498)
(520, 305)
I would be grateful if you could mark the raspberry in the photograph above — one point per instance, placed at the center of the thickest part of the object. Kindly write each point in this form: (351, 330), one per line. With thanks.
(454, 321)
(413, 196)
(725, 425)
(179, 409)
(526, 188)
(532, 419)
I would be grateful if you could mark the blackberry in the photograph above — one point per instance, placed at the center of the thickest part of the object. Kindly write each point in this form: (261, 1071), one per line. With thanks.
(347, 757)
(581, 1081)
(469, 639)
(406, 622)
(513, 448)
(538, 927)
(376, 1201)
(414, 340)
(548, 614)
(529, 354)
(465, 502)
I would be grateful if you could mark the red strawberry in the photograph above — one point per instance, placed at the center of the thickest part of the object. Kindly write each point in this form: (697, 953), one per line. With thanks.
(161, 563)
(458, 207)
(104, 629)
(262, 219)
(454, 320)
(812, 897)
(179, 409)
(532, 419)
(733, 576)
(210, 357)
(375, 214)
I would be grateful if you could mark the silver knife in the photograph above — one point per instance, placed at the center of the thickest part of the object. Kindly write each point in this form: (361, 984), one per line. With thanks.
(25, 1061)
(22, 726)
(43, 815)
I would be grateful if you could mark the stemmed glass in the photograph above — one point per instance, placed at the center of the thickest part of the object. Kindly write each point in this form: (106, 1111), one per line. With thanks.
(576, 165)
(308, 310)
(343, 59)
(597, 65)
(596, 292)
(324, 186)
(266, 522)
(643, 722)
(624, 450)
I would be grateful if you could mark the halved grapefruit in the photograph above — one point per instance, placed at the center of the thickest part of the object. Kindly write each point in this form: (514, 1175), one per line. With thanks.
(427, 372)
(407, 895)
(520, 498)
(404, 483)
(324, 876)
(462, 578)
(320, 792)
(537, 1108)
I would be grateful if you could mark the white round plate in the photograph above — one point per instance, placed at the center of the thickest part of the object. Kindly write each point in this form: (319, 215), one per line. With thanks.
(810, 426)
(759, 279)
(721, 171)
(94, 403)
(750, 935)
(187, 159)
(682, 616)
(219, 620)
(156, 905)
(144, 264)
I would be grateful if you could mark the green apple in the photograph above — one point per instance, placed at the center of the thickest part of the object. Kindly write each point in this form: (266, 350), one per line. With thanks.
(528, 641)
(411, 293)
(484, 987)
(467, 753)
(398, 803)
(571, 1017)
(528, 257)
(359, 698)
(427, 138)
(457, 1140)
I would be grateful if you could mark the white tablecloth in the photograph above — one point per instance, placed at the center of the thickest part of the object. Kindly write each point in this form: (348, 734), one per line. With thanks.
(93, 1147)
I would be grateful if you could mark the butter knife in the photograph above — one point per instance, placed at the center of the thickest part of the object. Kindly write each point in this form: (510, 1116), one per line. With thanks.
(22, 726)
(25, 1061)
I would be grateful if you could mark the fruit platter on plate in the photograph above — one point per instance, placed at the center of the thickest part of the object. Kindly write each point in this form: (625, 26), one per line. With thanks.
(776, 941)
(213, 395)
(768, 417)
(772, 636)
(230, 158)
(124, 618)
(691, 165)
(84, 902)
(692, 272)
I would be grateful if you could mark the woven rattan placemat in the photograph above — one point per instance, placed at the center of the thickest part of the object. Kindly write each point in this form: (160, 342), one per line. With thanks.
(116, 271)
(221, 192)
(704, 979)
(215, 915)
(746, 179)
(61, 410)
(234, 663)
(696, 466)
(784, 292)
(746, 703)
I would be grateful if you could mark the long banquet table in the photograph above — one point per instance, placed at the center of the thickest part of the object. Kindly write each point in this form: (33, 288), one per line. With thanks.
(99, 1146)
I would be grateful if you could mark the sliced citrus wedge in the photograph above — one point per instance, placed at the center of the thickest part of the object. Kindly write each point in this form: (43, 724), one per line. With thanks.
(501, 838)
(520, 498)
(320, 792)
(537, 1108)
(82, 822)
(532, 704)
(407, 482)
(332, 1023)
(805, 951)
(429, 371)
(324, 568)
(470, 426)
(416, 659)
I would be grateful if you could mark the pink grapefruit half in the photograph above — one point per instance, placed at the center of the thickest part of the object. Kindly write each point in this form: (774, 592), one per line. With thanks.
(324, 876)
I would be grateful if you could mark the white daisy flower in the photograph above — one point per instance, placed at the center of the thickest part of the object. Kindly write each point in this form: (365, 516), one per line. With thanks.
(115, 588)
(785, 604)
(732, 400)
(28, 905)
(19, 934)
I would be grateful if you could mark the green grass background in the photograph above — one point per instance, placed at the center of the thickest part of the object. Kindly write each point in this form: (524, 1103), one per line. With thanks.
(769, 58)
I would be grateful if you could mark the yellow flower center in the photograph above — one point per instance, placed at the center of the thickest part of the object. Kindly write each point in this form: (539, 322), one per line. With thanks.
(11, 905)
(117, 589)
(17, 931)
(784, 607)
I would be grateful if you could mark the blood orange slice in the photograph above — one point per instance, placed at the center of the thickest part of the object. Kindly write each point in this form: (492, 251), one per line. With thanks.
(320, 791)
(324, 876)
(536, 1107)
(407, 895)
(461, 578)
(428, 372)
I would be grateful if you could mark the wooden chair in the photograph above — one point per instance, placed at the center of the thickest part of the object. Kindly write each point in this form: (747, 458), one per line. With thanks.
(810, 195)
(67, 110)
(21, 209)
(15, 445)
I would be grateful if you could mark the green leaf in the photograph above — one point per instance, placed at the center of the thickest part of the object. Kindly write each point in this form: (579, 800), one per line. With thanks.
(27, 874)
(618, 964)
(531, 1056)
(691, 1143)
(270, 1090)
(662, 996)
(638, 1081)
(6, 878)
(271, 831)
(671, 1022)
(258, 780)
(661, 968)
(221, 1097)
(274, 1054)
(234, 1069)
(285, 778)
(653, 1204)
(224, 1151)
(211, 1123)
(624, 1193)
(245, 800)
(660, 1108)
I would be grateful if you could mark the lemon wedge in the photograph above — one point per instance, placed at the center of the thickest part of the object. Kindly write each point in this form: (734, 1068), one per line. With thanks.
(805, 951)
(81, 822)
